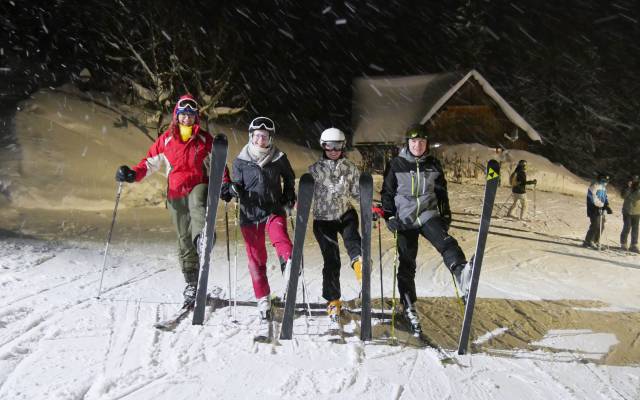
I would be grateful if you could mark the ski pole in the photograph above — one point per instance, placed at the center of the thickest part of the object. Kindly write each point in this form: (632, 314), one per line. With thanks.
(380, 258)
(235, 262)
(534, 200)
(305, 300)
(500, 209)
(393, 301)
(106, 248)
(600, 216)
(226, 230)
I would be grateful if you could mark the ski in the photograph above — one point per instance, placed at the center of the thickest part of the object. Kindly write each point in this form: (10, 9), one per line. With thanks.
(305, 196)
(207, 239)
(493, 177)
(366, 220)
(172, 322)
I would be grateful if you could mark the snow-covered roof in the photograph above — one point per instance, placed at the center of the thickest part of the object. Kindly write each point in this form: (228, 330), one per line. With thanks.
(384, 107)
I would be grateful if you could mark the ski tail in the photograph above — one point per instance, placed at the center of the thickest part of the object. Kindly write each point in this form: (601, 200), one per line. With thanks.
(366, 221)
(218, 164)
(493, 177)
(305, 197)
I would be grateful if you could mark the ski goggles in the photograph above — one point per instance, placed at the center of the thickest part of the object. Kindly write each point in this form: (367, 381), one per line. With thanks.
(262, 123)
(187, 106)
(338, 146)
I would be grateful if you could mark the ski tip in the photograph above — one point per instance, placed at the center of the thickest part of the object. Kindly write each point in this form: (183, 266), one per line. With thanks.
(493, 167)
(365, 177)
(306, 178)
(220, 137)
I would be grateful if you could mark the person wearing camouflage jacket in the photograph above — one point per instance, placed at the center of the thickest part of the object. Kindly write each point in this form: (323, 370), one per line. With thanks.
(336, 185)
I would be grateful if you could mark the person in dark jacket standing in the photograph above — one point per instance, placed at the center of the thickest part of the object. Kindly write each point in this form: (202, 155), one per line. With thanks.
(519, 184)
(415, 202)
(264, 183)
(185, 150)
(631, 214)
(336, 184)
(597, 204)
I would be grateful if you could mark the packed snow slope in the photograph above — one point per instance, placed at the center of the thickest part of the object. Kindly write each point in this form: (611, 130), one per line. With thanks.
(553, 320)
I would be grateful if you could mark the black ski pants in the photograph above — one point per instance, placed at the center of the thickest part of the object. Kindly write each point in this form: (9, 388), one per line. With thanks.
(596, 227)
(326, 233)
(435, 231)
(630, 224)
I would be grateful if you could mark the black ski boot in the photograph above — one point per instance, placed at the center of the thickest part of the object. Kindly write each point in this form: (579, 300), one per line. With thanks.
(189, 293)
(410, 315)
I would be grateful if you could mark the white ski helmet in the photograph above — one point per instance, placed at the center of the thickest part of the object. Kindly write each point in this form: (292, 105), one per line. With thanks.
(332, 135)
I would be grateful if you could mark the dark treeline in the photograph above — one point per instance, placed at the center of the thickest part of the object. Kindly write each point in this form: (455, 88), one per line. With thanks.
(568, 67)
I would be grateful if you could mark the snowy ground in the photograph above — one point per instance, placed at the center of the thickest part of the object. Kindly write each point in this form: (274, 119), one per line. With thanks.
(554, 321)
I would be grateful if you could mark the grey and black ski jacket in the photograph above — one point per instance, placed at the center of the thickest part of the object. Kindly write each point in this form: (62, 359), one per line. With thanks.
(264, 191)
(336, 184)
(414, 190)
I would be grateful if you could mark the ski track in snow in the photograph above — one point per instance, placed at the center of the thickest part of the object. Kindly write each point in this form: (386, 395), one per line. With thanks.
(58, 342)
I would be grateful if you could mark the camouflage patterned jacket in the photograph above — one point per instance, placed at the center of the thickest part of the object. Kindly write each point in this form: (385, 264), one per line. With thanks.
(336, 185)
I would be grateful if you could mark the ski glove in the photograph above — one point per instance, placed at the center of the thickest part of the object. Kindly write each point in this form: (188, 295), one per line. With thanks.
(393, 224)
(125, 174)
(235, 189)
(608, 209)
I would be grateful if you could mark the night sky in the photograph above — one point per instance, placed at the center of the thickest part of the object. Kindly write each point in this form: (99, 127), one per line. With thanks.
(570, 68)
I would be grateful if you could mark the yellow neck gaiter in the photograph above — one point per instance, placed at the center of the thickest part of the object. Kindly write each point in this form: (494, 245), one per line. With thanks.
(185, 132)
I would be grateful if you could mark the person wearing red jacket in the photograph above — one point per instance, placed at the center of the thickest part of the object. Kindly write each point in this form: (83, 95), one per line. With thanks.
(185, 150)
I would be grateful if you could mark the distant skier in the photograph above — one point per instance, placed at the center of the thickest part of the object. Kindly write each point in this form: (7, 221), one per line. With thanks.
(264, 183)
(336, 185)
(519, 184)
(631, 214)
(185, 150)
(597, 204)
(415, 202)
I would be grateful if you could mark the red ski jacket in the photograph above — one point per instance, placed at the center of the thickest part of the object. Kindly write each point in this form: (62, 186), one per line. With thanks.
(184, 162)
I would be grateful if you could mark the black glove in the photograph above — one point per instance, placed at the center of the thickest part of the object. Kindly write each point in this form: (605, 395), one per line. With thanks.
(446, 218)
(392, 224)
(125, 174)
(288, 202)
(608, 210)
(235, 189)
(535, 181)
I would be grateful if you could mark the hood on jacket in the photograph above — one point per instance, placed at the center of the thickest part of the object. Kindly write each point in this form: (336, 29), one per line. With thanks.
(173, 127)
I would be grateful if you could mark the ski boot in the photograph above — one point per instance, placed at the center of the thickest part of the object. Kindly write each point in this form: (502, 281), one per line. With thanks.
(624, 247)
(462, 275)
(334, 308)
(189, 293)
(356, 265)
(634, 249)
(264, 311)
(411, 316)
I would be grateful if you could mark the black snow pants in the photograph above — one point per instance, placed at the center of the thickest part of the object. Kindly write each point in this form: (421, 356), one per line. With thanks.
(434, 230)
(326, 233)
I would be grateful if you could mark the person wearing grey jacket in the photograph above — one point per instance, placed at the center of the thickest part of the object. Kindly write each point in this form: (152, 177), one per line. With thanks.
(336, 185)
(631, 214)
(415, 202)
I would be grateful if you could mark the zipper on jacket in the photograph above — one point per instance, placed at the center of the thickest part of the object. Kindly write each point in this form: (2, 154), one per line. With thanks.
(417, 192)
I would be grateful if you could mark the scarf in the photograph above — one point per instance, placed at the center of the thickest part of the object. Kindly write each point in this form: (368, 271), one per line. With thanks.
(260, 155)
